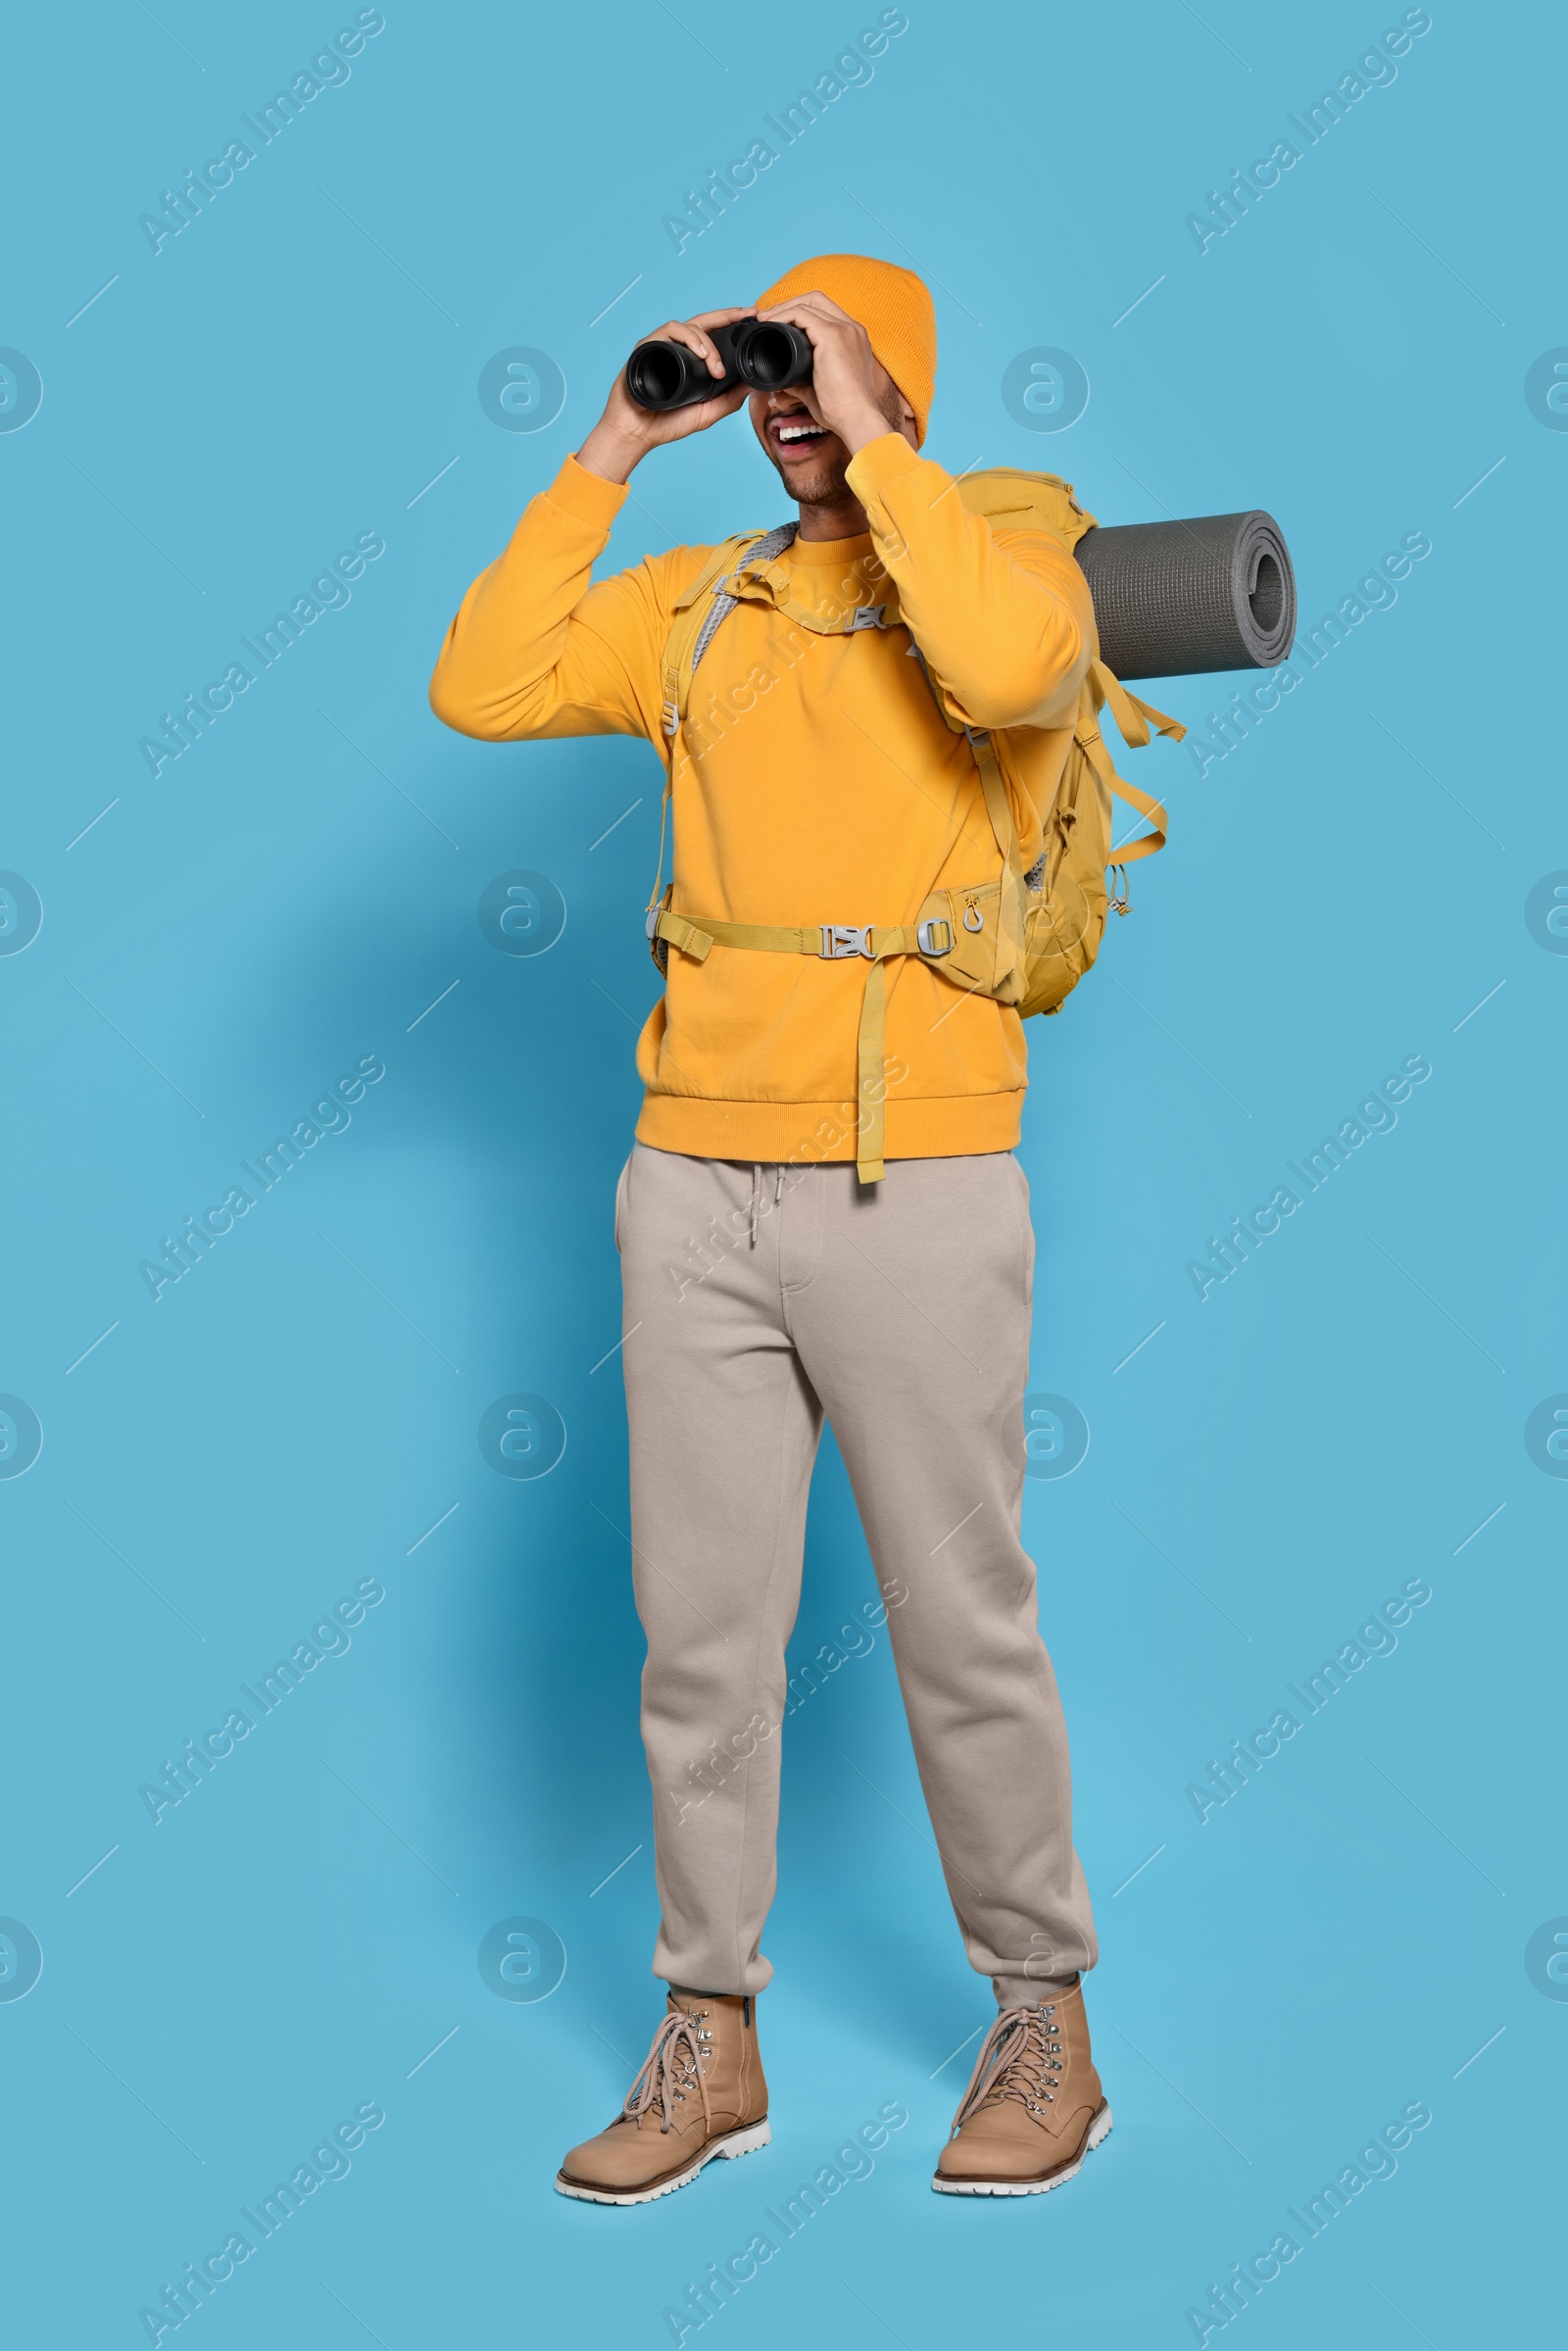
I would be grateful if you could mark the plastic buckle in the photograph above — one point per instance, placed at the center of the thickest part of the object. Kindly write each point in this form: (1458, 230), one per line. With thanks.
(843, 939)
(671, 717)
(926, 935)
(652, 924)
(869, 616)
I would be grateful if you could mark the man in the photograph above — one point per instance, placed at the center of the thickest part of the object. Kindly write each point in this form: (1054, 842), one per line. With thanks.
(816, 784)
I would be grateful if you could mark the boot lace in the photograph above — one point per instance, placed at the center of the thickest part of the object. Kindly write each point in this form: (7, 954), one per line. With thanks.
(1020, 2058)
(673, 2065)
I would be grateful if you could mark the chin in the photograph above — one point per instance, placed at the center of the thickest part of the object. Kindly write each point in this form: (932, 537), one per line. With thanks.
(824, 486)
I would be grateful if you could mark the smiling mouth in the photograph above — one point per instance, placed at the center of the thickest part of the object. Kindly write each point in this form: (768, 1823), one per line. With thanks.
(796, 432)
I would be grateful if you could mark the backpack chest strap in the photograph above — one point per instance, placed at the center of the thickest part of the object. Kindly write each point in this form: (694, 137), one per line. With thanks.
(847, 623)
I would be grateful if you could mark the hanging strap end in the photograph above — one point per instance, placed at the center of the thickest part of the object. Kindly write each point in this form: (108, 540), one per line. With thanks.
(678, 932)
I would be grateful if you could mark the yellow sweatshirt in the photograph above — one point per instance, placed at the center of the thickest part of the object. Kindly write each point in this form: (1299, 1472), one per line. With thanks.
(814, 781)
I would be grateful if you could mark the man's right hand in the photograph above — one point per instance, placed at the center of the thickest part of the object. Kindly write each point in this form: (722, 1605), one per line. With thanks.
(626, 432)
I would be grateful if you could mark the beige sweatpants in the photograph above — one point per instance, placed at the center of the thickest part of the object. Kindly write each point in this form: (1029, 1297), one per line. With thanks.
(756, 1299)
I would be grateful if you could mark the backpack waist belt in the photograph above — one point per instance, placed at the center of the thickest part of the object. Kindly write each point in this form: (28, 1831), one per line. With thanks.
(834, 943)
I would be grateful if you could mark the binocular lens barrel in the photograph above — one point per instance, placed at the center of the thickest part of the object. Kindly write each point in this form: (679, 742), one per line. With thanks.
(665, 375)
(767, 358)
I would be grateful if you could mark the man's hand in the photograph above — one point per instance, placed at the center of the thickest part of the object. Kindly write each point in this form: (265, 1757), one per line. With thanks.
(626, 432)
(842, 392)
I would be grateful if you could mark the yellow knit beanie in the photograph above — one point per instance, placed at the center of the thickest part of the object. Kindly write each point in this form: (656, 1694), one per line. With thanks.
(889, 302)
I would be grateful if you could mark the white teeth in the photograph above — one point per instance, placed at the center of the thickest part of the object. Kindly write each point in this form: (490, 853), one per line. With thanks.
(800, 432)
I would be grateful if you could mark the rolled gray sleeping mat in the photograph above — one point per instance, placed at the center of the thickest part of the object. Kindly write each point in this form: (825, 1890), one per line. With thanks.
(1179, 599)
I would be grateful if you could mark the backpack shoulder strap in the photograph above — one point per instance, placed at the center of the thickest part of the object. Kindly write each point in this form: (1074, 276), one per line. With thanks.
(702, 607)
(699, 607)
(993, 784)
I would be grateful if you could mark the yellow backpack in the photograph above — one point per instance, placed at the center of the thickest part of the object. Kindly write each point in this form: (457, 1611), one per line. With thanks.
(1024, 939)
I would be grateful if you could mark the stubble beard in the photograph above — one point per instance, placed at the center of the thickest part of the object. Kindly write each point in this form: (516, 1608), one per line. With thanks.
(829, 485)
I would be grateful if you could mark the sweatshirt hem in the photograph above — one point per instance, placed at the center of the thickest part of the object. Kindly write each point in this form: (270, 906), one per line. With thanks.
(943, 1127)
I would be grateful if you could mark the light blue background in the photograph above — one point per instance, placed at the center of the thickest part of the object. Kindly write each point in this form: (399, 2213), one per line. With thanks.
(292, 1417)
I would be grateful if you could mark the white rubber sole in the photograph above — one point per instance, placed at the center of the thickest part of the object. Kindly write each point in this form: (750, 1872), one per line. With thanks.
(738, 2142)
(1098, 2130)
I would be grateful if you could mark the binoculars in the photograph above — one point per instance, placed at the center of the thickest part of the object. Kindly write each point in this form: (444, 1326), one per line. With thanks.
(765, 356)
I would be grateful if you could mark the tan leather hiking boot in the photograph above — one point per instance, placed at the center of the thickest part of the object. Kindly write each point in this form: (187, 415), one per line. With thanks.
(699, 2093)
(1034, 2106)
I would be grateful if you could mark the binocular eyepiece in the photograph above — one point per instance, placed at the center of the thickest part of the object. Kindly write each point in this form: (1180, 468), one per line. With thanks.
(767, 355)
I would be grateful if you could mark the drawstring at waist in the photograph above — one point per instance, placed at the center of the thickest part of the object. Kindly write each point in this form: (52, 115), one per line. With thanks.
(757, 1195)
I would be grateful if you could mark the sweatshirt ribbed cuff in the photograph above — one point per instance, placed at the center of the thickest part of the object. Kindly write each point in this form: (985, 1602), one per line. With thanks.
(586, 497)
(878, 464)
